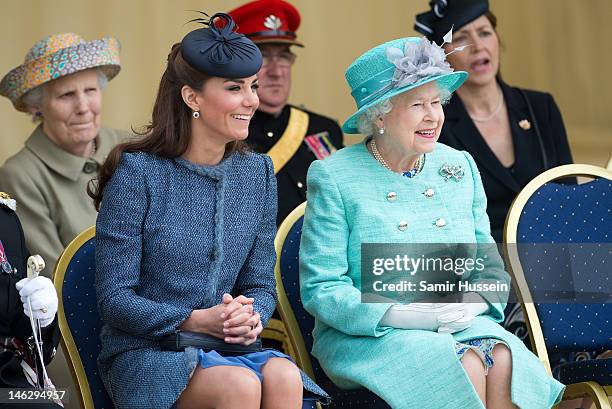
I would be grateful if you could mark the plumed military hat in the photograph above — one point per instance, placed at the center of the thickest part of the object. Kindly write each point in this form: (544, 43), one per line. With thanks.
(219, 51)
(447, 14)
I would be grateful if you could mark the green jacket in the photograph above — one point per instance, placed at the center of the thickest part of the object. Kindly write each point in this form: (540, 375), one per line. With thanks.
(353, 199)
(50, 187)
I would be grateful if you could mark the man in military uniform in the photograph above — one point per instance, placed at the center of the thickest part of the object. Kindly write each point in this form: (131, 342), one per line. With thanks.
(292, 136)
(16, 339)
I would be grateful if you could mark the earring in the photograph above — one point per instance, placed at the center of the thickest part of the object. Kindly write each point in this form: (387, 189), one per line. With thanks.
(381, 131)
(196, 114)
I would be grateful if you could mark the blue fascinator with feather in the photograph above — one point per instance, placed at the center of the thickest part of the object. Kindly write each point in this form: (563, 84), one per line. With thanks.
(219, 51)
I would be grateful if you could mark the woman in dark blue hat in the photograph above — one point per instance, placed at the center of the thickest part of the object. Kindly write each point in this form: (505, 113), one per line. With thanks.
(184, 242)
(513, 134)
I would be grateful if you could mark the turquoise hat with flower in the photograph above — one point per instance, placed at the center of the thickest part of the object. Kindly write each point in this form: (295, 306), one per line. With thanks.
(395, 67)
(55, 56)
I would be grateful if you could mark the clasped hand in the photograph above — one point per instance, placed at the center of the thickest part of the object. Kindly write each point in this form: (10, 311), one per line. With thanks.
(233, 320)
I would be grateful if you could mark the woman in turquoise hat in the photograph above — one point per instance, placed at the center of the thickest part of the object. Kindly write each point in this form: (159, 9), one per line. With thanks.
(414, 355)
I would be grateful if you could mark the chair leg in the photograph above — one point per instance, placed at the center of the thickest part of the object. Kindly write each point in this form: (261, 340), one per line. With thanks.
(590, 390)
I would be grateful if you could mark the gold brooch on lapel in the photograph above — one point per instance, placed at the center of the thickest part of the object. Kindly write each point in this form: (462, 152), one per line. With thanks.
(525, 124)
(451, 172)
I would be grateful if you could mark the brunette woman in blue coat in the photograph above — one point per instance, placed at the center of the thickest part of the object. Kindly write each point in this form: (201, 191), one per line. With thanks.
(184, 241)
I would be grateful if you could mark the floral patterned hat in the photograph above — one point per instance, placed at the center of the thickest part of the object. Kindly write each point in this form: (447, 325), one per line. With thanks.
(58, 55)
(395, 67)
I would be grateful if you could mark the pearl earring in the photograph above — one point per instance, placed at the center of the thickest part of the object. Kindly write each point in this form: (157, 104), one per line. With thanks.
(381, 131)
(196, 114)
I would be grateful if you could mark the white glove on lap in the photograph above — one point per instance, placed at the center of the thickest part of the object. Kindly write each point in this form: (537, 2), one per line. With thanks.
(423, 316)
(473, 305)
(43, 298)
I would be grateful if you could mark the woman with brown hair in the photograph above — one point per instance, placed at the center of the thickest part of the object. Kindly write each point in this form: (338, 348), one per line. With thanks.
(184, 242)
(513, 134)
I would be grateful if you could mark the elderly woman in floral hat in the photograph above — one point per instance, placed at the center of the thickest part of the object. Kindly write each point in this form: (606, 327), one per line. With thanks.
(400, 187)
(60, 85)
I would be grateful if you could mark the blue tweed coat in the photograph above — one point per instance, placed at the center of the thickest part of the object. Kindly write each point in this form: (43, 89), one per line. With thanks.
(411, 369)
(171, 237)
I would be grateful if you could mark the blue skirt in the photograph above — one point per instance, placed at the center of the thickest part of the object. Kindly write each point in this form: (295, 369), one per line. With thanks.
(253, 361)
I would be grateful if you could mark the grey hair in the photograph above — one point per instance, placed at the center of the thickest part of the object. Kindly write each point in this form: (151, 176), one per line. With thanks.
(366, 123)
(34, 97)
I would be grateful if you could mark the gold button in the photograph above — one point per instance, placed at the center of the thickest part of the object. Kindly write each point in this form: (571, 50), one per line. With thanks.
(391, 196)
(525, 124)
(300, 185)
(270, 134)
(440, 222)
(403, 225)
(429, 192)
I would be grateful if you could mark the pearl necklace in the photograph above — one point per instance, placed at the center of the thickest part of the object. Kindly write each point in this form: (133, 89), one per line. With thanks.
(492, 114)
(409, 174)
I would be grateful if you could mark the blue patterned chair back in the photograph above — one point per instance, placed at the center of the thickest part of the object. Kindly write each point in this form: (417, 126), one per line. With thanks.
(575, 223)
(288, 260)
(80, 323)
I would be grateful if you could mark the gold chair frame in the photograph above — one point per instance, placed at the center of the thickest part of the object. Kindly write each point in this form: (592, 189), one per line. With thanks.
(299, 352)
(598, 393)
(276, 331)
(67, 341)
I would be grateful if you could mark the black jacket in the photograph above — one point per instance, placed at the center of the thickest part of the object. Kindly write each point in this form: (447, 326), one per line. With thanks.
(292, 177)
(503, 184)
(13, 322)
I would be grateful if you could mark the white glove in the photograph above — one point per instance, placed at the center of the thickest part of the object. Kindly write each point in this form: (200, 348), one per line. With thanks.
(43, 298)
(473, 305)
(423, 316)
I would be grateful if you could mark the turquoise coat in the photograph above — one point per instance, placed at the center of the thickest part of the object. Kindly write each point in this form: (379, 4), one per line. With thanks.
(348, 205)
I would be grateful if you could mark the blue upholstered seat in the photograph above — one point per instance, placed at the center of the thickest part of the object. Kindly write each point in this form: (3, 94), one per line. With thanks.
(80, 322)
(289, 271)
(598, 370)
(566, 215)
(564, 236)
